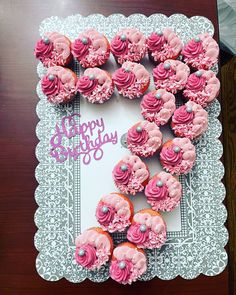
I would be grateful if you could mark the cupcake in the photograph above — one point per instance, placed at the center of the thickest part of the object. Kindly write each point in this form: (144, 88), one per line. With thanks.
(114, 212)
(53, 50)
(128, 45)
(202, 87)
(128, 263)
(96, 85)
(158, 106)
(178, 155)
(163, 192)
(59, 85)
(171, 75)
(131, 80)
(130, 175)
(189, 120)
(93, 248)
(148, 229)
(164, 44)
(144, 139)
(91, 49)
(201, 52)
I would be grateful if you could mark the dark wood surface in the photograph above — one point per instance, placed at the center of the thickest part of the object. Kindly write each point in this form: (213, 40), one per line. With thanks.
(19, 23)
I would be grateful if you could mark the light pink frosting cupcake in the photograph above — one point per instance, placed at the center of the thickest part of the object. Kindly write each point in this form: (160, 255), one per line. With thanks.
(130, 175)
(178, 155)
(93, 248)
(144, 139)
(163, 192)
(164, 45)
(91, 49)
(96, 85)
(202, 87)
(201, 52)
(128, 263)
(114, 212)
(189, 120)
(148, 229)
(53, 50)
(129, 45)
(158, 106)
(171, 75)
(59, 85)
(131, 80)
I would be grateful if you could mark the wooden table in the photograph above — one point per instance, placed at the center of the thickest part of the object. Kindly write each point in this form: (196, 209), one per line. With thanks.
(19, 32)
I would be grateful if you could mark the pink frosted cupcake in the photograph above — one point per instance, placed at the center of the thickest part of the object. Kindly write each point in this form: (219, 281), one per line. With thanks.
(129, 45)
(171, 75)
(96, 85)
(163, 192)
(164, 44)
(178, 155)
(131, 80)
(189, 120)
(130, 175)
(158, 106)
(128, 263)
(59, 85)
(148, 229)
(93, 248)
(91, 49)
(201, 52)
(114, 212)
(144, 139)
(202, 87)
(53, 50)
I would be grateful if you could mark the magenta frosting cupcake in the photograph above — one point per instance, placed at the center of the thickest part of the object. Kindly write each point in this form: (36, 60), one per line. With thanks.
(171, 75)
(114, 212)
(91, 49)
(202, 87)
(163, 192)
(164, 44)
(59, 85)
(201, 52)
(144, 139)
(178, 155)
(131, 80)
(53, 50)
(93, 248)
(129, 45)
(96, 85)
(128, 263)
(148, 229)
(130, 175)
(189, 120)
(158, 106)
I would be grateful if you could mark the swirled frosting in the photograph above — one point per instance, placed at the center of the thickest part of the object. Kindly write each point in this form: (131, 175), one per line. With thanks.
(91, 49)
(189, 120)
(202, 87)
(132, 179)
(158, 106)
(131, 80)
(181, 161)
(164, 45)
(201, 52)
(118, 215)
(96, 248)
(171, 75)
(163, 192)
(51, 87)
(144, 138)
(129, 45)
(148, 229)
(134, 263)
(86, 85)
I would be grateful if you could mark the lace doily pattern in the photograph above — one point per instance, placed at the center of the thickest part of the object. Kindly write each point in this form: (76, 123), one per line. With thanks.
(198, 247)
